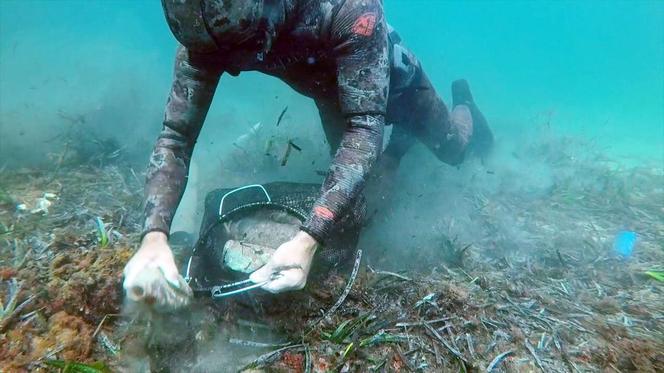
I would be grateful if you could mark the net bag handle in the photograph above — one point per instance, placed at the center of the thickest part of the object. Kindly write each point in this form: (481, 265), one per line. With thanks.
(259, 186)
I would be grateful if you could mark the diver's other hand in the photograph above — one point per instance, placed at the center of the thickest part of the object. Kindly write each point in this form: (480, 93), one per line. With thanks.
(151, 276)
(289, 265)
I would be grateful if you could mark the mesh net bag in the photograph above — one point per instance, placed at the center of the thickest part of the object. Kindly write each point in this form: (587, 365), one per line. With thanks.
(241, 228)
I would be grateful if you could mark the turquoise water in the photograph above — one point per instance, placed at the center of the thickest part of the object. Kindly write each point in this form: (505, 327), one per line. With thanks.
(588, 68)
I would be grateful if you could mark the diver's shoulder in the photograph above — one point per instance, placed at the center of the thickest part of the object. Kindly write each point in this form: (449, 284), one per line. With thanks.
(321, 19)
(306, 8)
(360, 5)
(350, 11)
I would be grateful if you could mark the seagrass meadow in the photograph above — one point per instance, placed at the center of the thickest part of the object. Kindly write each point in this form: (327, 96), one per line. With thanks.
(559, 300)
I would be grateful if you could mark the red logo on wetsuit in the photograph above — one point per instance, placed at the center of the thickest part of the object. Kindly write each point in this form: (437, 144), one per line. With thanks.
(365, 24)
(323, 212)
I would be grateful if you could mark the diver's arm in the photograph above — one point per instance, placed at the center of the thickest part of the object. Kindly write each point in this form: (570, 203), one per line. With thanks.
(360, 36)
(151, 276)
(359, 150)
(363, 82)
(195, 81)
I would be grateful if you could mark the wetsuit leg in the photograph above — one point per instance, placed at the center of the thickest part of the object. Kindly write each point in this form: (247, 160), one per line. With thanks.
(416, 109)
(404, 68)
(425, 116)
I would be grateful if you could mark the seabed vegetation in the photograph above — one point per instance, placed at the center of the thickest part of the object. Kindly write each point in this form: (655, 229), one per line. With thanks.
(562, 302)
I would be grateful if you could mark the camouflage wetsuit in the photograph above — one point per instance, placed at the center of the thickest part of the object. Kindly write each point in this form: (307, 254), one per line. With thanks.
(341, 53)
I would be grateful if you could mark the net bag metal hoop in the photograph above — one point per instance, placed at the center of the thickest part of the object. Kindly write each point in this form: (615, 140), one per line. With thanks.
(238, 220)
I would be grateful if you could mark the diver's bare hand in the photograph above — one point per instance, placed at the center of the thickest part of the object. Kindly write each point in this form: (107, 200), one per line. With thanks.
(289, 266)
(152, 277)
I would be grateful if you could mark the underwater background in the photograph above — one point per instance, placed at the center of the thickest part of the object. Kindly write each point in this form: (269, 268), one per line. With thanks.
(564, 217)
(589, 68)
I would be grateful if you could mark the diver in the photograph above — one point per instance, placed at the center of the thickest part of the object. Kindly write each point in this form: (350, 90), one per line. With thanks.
(343, 55)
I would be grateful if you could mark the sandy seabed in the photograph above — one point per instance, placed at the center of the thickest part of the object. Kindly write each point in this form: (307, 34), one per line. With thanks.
(568, 304)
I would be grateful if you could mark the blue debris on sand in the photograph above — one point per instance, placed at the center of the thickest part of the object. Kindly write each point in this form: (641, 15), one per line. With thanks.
(624, 243)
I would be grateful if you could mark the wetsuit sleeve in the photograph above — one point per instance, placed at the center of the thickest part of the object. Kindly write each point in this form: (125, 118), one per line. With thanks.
(359, 37)
(195, 81)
